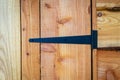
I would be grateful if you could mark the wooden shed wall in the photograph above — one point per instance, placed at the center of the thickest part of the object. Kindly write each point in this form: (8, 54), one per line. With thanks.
(24, 19)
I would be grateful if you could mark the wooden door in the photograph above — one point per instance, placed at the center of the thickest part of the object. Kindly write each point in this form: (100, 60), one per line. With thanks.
(24, 19)
(53, 18)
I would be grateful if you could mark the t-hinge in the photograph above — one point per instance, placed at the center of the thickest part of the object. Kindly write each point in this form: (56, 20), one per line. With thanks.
(82, 39)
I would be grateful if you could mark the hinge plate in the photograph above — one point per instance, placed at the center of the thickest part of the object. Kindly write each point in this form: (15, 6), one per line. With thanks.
(82, 39)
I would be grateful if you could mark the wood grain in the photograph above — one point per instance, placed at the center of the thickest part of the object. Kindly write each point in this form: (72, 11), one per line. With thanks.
(30, 29)
(10, 65)
(108, 6)
(110, 75)
(108, 1)
(108, 24)
(48, 29)
(108, 20)
(94, 51)
(108, 64)
(63, 61)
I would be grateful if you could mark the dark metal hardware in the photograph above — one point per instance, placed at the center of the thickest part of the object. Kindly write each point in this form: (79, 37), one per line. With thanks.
(82, 39)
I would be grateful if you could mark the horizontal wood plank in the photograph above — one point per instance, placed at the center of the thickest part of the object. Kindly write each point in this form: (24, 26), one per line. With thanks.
(108, 1)
(108, 64)
(108, 25)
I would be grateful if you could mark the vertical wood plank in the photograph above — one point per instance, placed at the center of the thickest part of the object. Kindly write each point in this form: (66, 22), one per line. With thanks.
(65, 61)
(74, 61)
(48, 29)
(94, 52)
(30, 29)
(10, 54)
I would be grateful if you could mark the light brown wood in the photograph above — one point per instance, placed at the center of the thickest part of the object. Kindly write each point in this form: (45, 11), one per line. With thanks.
(30, 29)
(75, 60)
(108, 65)
(110, 75)
(94, 64)
(10, 64)
(108, 36)
(63, 61)
(108, 1)
(108, 23)
(48, 29)
(108, 6)
(109, 31)
(94, 51)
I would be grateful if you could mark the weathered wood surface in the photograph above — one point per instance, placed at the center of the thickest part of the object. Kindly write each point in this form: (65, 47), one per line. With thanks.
(108, 64)
(10, 66)
(63, 61)
(30, 29)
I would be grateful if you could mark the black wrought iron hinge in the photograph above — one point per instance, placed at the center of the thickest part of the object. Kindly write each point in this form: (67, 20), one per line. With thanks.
(82, 39)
